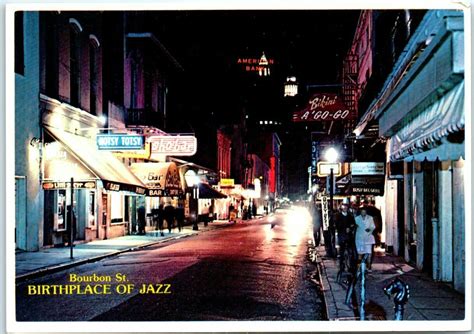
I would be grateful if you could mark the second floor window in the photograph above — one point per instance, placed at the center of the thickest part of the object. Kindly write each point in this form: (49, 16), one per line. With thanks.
(75, 61)
(93, 70)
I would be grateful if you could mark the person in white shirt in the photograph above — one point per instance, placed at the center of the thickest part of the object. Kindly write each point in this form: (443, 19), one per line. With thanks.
(364, 238)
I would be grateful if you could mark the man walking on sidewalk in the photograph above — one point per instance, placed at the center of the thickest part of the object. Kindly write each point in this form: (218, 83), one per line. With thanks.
(317, 223)
(345, 226)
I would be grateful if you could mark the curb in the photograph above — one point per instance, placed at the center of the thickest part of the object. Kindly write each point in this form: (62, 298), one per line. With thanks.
(59, 267)
(333, 311)
(329, 303)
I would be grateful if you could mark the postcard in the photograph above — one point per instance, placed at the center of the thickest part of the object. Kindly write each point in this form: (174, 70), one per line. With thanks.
(238, 167)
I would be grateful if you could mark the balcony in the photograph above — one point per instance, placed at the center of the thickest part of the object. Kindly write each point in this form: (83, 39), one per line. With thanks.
(145, 117)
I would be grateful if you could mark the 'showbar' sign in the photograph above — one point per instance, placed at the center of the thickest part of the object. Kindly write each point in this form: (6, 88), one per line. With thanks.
(324, 108)
(173, 145)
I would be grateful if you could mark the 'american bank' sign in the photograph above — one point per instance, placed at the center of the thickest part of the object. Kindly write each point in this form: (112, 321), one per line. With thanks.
(324, 107)
(173, 145)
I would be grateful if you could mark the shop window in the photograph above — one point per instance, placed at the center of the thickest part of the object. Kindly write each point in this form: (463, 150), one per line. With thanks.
(91, 216)
(19, 44)
(116, 208)
(60, 223)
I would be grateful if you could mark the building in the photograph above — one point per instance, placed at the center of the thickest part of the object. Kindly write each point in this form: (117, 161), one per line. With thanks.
(94, 73)
(420, 112)
(224, 148)
(28, 194)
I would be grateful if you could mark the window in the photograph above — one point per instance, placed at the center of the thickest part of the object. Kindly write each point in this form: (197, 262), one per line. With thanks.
(116, 207)
(93, 70)
(62, 203)
(19, 44)
(49, 54)
(75, 61)
(91, 209)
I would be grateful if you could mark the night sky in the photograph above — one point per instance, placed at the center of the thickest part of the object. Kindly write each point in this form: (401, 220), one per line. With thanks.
(213, 89)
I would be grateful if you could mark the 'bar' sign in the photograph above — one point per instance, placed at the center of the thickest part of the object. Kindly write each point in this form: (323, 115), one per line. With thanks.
(119, 142)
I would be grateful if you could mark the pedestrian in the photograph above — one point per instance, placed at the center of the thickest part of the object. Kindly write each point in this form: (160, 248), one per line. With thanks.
(317, 217)
(231, 211)
(141, 220)
(254, 208)
(71, 223)
(364, 238)
(345, 226)
(180, 216)
(205, 214)
(376, 214)
(211, 212)
(161, 217)
(169, 213)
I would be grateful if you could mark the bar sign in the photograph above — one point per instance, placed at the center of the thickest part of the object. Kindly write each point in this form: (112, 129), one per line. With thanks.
(114, 142)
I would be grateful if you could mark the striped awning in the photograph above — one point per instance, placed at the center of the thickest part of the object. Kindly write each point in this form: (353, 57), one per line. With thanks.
(436, 133)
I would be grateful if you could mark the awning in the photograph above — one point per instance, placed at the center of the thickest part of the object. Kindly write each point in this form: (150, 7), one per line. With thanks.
(160, 178)
(436, 133)
(206, 191)
(100, 165)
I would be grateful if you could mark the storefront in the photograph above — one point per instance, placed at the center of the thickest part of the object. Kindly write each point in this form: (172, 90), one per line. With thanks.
(102, 194)
(164, 186)
(420, 112)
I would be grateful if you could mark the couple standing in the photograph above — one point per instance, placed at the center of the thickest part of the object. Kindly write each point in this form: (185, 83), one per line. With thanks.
(364, 226)
(346, 224)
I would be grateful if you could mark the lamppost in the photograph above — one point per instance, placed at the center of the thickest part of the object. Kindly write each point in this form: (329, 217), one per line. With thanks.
(192, 181)
(331, 156)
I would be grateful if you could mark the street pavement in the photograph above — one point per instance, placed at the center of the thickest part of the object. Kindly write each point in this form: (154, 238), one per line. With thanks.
(251, 270)
(429, 300)
(47, 260)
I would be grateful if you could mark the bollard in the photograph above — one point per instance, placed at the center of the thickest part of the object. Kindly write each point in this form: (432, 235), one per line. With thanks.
(401, 292)
(350, 289)
(362, 288)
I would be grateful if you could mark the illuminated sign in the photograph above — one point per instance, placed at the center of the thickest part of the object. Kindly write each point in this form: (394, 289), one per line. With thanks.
(161, 179)
(272, 178)
(325, 211)
(118, 142)
(367, 168)
(260, 65)
(173, 145)
(135, 154)
(324, 168)
(226, 183)
(114, 186)
(324, 108)
(47, 185)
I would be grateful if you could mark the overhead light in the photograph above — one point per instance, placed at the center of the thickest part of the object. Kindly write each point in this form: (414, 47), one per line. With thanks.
(331, 154)
(103, 119)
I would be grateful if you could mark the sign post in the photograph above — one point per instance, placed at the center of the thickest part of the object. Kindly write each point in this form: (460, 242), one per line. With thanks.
(71, 222)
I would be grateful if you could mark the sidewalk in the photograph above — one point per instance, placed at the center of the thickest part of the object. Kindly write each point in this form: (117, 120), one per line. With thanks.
(429, 300)
(48, 260)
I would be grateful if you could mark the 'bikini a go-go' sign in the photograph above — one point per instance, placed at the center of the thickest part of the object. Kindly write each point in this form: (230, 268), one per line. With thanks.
(324, 107)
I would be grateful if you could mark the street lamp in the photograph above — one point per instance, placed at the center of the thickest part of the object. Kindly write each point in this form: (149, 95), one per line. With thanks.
(331, 156)
(192, 181)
